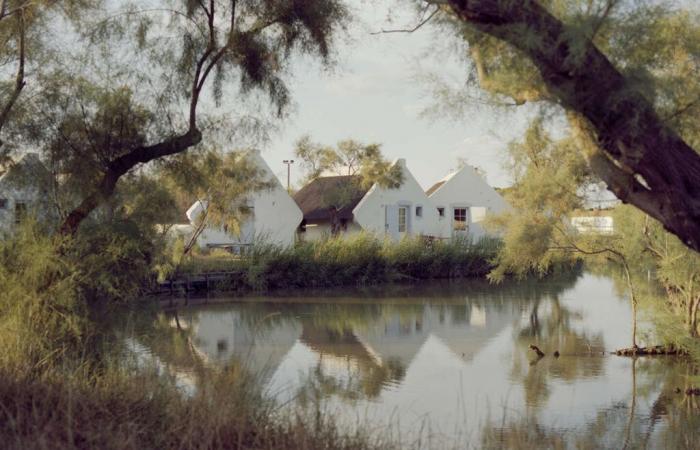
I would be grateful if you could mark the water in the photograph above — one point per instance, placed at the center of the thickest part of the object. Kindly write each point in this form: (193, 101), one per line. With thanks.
(446, 364)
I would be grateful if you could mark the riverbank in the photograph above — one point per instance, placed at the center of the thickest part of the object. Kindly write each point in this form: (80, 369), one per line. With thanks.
(360, 260)
(119, 409)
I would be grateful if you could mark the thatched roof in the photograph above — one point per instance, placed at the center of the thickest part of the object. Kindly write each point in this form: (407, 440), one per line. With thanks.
(434, 188)
(315, 199)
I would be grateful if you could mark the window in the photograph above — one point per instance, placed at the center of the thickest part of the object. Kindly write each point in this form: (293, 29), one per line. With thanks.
(441, 212)
(3, 203)
(460, 219)
(402, 219)
(419, 211)
(20, 212)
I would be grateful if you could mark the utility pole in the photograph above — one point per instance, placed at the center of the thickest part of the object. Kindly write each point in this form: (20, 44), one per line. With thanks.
(289, 163)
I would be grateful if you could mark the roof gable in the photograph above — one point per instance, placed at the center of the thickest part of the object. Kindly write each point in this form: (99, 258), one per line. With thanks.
(434, 188)
(467, 186)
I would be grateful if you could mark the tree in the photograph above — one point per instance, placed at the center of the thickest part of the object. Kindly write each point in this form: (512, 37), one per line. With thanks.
(364, 164)
(622, 71)
(225, 47)
(550, 182)
(220, 183)
(23, 32)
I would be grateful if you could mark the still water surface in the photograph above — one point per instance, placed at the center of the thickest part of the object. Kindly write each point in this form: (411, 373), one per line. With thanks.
(448, 363)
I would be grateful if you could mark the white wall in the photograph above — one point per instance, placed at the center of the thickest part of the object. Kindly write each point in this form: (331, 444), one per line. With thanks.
(22, 183)
(593, 224)
(320, 231)
(466, 189)
(371, 212)
(274, 219)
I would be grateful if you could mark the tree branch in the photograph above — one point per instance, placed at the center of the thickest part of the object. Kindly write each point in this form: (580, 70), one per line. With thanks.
(410, 30)
(120, 166)
(636, 140)
(19, 77)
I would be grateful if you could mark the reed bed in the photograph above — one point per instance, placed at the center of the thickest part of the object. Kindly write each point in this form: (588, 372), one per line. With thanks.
(360, 259)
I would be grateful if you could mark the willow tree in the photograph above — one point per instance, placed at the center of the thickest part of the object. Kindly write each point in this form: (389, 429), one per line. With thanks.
(23, 33)
(623, 71)
(142, 83)
(551, 181)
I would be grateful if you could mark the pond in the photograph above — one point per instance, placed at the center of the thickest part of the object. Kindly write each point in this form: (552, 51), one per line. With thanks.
(447, 364)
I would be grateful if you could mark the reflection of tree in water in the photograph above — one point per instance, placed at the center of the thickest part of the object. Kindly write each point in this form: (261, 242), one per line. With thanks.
(363, 373)
(655, 416)
(550, 326)
(201, 337)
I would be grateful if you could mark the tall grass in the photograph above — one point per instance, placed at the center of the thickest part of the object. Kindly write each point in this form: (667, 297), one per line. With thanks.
(360, 259)
(118, 409)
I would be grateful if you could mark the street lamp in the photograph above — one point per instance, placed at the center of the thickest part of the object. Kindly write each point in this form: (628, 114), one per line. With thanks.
(289, 163)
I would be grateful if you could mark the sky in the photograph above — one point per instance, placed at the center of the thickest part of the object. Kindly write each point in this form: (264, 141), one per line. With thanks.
(376, 93)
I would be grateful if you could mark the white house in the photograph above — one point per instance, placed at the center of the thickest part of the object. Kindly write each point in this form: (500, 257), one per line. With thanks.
(274, 216)
(396, 212)
(23, 191)
(462, 200)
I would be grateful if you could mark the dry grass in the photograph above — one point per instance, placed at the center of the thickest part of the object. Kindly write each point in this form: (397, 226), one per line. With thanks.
(113, 411)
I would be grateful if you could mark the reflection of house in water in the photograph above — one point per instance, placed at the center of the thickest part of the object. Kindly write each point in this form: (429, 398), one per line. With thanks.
(347, 366)
(256, 338)
(464, 329)
(356, 348)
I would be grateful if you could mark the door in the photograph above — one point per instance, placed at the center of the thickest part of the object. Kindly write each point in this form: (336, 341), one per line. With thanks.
(391, 221)
(403, 221)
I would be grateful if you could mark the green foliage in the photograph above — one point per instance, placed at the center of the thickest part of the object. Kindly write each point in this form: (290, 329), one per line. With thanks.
(548, 177)
(551, 180)
(25, 31)
(349, 157)
(675, 267)
(360, 259)
(222, 183)
(43, 314)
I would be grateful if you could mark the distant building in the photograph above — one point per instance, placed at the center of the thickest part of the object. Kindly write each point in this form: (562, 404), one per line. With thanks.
(394, 212)
(593, 224)
(463, 199)
(274, 217)
(24, 191)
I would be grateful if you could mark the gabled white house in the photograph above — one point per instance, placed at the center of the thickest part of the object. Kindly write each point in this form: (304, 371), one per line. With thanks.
(396, 212)
(462, 200)
(274, 216)
(406, 210)
(23, 191)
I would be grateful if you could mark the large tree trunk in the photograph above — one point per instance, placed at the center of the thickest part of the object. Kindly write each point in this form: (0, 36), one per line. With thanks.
(643, 161)
(121, 166)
